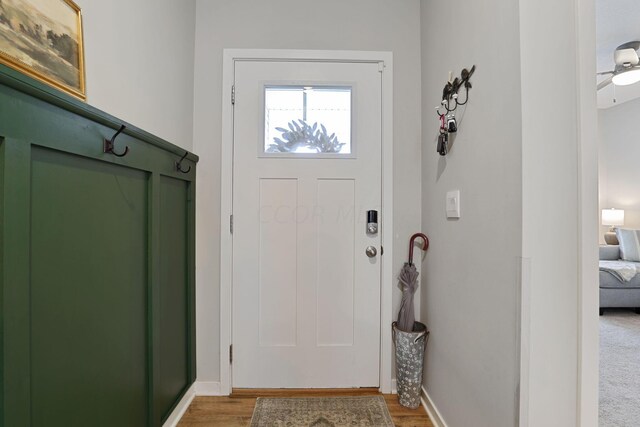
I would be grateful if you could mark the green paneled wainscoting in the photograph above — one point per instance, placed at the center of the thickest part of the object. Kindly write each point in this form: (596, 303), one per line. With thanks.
(97, 324)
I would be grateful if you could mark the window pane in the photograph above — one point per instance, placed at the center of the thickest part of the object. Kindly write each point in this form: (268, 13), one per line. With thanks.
(307, 120)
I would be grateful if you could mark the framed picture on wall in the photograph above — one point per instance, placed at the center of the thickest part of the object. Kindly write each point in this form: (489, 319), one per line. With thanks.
(43, 39)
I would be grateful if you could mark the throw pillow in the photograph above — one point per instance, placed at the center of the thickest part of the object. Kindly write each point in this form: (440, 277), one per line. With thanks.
(629, 244)
(609, 253)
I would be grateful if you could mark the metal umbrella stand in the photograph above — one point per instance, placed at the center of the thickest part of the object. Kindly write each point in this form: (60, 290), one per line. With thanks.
(409, 336)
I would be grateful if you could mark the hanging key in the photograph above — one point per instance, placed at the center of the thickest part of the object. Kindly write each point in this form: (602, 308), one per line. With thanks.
(452, 124)
(443, 143)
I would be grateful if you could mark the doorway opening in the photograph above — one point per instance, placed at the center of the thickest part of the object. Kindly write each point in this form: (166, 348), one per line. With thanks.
(298, 289)
(618, 94)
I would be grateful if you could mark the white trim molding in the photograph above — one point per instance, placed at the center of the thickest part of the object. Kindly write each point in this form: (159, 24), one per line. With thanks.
(181, 407)
(524, 278)
(432, 411)
(385, 59)
(588, 221)
(199, 388)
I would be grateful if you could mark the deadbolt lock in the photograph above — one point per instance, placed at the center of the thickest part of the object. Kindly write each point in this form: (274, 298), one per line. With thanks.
(372, 222)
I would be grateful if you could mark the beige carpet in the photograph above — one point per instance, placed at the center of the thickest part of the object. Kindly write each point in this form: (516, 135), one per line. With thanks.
(619, 369)
(361, 411)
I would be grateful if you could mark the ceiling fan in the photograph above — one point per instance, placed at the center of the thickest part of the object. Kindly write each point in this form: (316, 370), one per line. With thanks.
(627, 69)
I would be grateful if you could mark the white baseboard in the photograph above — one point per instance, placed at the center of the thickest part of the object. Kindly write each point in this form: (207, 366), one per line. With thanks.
(431, 409)
(199, 388)
(181, 408)
(208, 388)
(394, 386)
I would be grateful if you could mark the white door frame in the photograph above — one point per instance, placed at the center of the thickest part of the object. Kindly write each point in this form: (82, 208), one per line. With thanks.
(230, 56)
(588, 218)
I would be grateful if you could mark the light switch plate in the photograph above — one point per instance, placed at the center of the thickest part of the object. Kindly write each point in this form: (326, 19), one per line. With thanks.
(453, 204)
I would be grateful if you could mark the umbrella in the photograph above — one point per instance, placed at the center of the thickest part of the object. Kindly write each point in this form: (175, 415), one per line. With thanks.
(408, 279)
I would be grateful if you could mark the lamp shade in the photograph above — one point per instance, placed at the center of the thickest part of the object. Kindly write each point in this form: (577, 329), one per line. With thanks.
(612, 217)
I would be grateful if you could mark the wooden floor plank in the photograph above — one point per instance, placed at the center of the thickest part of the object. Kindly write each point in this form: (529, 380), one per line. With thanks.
(236, 410)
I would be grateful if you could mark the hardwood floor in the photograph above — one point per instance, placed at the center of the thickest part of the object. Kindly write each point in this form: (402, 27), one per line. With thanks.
(236, 410)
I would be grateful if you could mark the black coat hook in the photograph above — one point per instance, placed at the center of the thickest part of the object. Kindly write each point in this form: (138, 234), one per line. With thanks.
(452, 89)
(109, 144)
(466, 75)
(179, 164)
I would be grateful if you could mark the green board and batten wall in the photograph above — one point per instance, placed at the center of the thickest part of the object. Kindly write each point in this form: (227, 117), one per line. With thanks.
(97, 322)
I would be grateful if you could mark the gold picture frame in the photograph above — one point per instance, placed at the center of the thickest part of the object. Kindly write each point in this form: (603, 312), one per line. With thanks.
(43, 39)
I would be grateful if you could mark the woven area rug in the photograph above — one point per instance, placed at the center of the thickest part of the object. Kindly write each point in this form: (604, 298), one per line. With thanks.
(361, 411)
(619, 369)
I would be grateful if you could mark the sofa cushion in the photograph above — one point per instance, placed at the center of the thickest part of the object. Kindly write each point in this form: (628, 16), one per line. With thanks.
(629, 244)
(609, 252)
(608, 280)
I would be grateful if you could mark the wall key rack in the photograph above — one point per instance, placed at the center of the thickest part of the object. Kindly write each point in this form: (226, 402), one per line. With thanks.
(450, 102)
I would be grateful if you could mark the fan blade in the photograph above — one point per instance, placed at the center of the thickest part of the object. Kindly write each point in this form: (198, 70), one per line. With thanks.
(606, 82)
(604, 73)
(635, 45)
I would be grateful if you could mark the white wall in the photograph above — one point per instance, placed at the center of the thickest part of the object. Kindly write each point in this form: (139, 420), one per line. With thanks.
(139, 61)
(550, 203)
(378, 25)
(559, 244)
(470, 294)
(525, 160)
(619, 154)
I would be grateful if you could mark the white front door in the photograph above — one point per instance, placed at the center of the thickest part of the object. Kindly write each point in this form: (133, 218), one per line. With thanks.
(307, 169)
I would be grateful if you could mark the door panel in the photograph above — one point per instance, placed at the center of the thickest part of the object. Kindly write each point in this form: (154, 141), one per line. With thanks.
(278, 275)
(306, 298)
(88, 301)
(335, 239)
